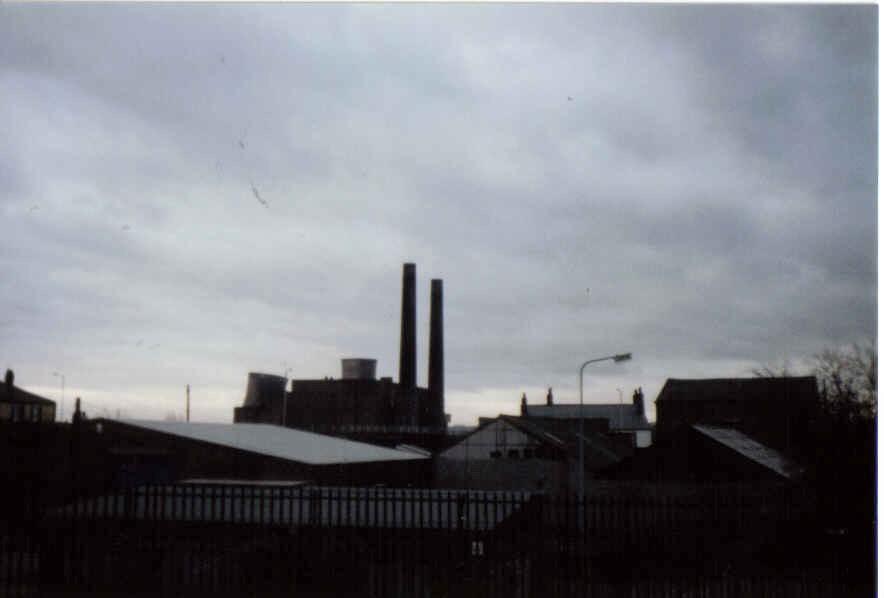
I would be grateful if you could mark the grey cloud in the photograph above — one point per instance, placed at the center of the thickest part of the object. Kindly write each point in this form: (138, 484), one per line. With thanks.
(706, 199)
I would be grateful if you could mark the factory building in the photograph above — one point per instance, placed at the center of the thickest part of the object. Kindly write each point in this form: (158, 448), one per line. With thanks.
(358, 404)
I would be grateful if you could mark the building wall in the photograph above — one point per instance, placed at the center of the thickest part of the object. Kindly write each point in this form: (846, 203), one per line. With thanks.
(780, 424)
(494, 441)
(776, 412)
(349, 407)
(27, 412)
(499, 456)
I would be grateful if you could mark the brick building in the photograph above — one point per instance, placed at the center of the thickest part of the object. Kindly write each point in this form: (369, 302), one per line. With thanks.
(774, 411)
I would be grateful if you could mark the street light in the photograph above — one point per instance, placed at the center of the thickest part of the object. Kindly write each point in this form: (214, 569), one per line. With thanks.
(284, 384)
(616, 359)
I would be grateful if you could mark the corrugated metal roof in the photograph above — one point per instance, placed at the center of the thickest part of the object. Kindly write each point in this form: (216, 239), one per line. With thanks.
(277, 441)
(620, 417)
(309, 505)
(752, 449)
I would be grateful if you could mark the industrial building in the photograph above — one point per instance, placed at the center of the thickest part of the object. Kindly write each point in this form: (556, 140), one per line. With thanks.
(358, 404)
(134, 452)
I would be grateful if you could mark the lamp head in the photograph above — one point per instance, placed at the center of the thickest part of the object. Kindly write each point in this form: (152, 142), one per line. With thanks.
(622, 357)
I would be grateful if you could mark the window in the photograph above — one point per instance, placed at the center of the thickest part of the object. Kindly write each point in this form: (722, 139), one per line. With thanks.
(513, 453)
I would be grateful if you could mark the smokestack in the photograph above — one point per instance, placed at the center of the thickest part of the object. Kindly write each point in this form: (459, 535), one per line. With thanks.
(436, 377)
(408, 339)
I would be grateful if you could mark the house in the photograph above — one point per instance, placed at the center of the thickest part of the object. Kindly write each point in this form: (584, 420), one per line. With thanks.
(18, 405)
(628, 419)
(520, 453)
(775, 411)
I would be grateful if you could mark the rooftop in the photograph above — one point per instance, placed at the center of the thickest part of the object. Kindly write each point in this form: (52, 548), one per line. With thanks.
(752, 449)
(620, 417)
(277, 441)
(9, 393)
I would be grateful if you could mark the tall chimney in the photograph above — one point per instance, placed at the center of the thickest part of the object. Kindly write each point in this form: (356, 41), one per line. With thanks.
(436, 377)
(408, 339)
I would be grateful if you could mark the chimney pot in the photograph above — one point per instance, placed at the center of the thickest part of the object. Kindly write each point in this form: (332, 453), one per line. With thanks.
(10, 379)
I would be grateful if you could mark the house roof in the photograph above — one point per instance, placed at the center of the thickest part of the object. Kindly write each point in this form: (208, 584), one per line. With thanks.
(749, 448)
(561, 434)
(10, 393)
(545, 435)
(277, 441)
(620, 417)
(740, 389)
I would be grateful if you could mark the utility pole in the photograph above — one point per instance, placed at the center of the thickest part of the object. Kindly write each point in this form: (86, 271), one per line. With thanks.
(187, 412)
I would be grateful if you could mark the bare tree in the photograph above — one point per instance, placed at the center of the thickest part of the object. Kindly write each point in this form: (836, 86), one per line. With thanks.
(848, 380)
(783, 369)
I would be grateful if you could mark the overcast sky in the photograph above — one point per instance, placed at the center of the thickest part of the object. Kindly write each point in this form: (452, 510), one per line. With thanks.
(193, 192)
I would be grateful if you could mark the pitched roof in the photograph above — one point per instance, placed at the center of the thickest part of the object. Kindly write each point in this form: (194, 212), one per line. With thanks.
(277, 441)
(749, 448)
(563, 435)
(620, 417)
(790, 388)
(12, 394)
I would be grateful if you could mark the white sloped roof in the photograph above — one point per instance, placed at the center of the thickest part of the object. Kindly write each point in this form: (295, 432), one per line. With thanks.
(752, 449)
(277, 441)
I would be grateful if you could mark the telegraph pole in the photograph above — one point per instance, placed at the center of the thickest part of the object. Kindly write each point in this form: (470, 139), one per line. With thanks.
(187, 412)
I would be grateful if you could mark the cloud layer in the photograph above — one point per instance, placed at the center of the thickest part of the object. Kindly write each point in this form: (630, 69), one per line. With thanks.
(192, 192)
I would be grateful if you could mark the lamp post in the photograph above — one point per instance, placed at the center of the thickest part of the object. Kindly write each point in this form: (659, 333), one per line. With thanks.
(61, 411)
(617, 359)
(284, 384)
